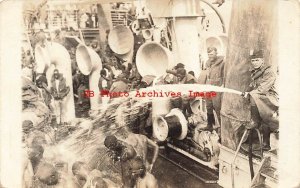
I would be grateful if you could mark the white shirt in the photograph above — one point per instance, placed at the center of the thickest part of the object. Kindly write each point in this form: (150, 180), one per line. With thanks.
(104, 83)
(57, 84)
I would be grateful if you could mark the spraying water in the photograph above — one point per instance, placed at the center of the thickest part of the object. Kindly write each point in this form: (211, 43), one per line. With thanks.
(86, 143)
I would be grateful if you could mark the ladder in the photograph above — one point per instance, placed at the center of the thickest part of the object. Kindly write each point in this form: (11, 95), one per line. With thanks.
(89, 34)
(267, 176)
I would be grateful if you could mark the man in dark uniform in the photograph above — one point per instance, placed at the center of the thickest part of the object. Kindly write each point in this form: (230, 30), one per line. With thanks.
(215, 76)
(263, 98)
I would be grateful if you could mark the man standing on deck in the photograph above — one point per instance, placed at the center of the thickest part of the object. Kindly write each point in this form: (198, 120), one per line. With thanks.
(59, 92)
(215, 76)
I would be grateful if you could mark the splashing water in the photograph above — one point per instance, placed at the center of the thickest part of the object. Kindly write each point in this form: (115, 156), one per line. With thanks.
(87, 145)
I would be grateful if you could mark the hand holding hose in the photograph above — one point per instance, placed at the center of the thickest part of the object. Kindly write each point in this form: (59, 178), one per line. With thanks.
(245, 95)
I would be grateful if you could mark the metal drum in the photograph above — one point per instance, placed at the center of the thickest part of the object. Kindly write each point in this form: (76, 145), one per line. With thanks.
(173, 125)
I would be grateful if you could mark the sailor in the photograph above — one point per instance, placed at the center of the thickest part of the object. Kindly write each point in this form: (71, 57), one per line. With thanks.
(59, 92)
(263, 97)
(215, 76)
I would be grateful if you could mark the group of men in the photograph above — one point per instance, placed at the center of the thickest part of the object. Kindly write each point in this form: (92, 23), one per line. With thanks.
(262, 86)
(132, 151)
(58, 92)
(262, 93)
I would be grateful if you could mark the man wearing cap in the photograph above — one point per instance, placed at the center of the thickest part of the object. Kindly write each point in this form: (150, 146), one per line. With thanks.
(59, 92)
(215, 76)
(263, 97)
(120, 84)
(182, 76)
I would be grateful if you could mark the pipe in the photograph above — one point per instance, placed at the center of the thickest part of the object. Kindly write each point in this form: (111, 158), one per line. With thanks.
(89, 63)
(147, 34)
(42, 59)
(246, 33)
(55, 56)
(185, 43)
(153, 59)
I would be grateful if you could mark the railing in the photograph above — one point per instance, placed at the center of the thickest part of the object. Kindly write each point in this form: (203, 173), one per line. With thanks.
(119, 17)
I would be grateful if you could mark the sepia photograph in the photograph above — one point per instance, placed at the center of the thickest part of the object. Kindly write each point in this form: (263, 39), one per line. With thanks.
(149, 94)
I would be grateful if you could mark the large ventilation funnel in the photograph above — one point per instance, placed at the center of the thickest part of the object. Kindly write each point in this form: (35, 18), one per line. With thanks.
(153, 59)
(120, 39)
(55, 56)
(89, 63)
(42, 59)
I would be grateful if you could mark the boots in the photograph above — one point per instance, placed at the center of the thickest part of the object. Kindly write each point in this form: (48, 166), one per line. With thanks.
(255, 118)
(266, 139)
(210, 122)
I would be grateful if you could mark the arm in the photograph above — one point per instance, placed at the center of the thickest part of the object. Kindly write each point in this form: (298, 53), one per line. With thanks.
(151, 181)
(223, 73)
(53, 93)
(46, 89)
(106, 78)
(100, 84)
(171, 72)
(112, 88)
(155, 148)
(267, 82)
(105, 66)
(66, 89)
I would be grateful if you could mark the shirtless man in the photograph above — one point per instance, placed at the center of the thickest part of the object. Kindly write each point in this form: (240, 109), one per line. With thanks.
(85, 177)
(141, 144)
(143, 178)
(124, 153)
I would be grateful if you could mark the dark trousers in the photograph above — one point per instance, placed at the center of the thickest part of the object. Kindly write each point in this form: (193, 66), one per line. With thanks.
(214, 104)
